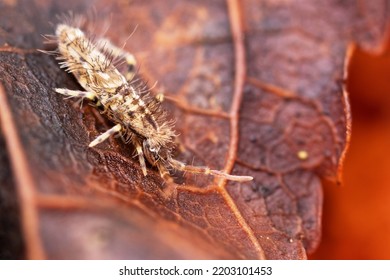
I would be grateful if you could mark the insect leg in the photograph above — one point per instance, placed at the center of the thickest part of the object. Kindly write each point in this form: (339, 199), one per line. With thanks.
(141, 156)
(160, 97)
(76, 93)
(207, 171)
(163, 171)
(105, 135)
(131, 66)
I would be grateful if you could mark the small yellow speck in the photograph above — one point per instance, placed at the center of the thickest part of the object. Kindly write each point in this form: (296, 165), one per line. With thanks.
(302, 155)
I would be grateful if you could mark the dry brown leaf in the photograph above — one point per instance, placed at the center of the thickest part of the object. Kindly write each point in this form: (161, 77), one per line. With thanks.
(258, 91)
(350, 231)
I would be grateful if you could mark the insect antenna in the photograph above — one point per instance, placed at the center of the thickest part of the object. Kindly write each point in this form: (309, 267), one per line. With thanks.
(206, 171)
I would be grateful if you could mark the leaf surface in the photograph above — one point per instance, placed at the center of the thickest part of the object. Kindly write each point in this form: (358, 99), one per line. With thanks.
(256, 89)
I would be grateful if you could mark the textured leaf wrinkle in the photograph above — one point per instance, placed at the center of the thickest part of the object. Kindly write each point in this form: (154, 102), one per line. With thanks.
(124, 98)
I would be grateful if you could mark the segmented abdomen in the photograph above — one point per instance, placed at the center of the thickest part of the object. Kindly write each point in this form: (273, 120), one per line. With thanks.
(125, 102)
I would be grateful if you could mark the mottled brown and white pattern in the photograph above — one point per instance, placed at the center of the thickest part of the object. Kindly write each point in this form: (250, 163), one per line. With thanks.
(125, 100)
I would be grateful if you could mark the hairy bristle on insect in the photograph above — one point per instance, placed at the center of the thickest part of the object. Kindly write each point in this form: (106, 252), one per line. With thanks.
(123, 97)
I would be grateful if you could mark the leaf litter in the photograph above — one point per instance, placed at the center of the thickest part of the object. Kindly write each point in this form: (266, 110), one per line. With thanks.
(257, 86)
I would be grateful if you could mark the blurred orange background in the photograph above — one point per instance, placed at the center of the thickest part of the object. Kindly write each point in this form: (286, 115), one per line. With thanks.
(356, 218)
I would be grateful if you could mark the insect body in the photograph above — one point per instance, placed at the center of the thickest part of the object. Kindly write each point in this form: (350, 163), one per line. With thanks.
(127, 102)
